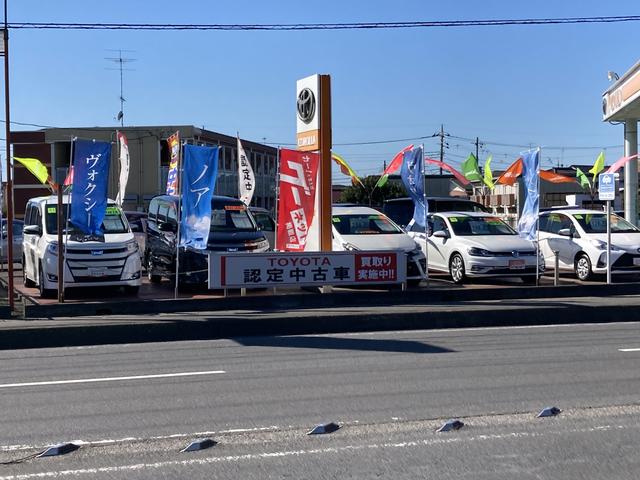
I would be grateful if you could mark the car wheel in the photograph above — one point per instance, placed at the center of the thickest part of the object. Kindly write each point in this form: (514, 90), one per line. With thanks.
(528, 279)
(44, 292)
(583, 267)
(414, 282)
(26, 281)
(456, 268)
(153, 278)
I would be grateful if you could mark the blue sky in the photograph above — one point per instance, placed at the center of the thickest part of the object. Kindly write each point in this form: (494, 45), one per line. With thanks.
(516, 85)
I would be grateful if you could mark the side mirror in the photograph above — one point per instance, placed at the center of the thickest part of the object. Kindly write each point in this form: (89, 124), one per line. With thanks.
(440, 234)
(565, 232)
(167, 227)
(32, 230)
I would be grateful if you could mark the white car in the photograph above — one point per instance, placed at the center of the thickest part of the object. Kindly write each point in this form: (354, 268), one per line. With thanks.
(468, 244)
(579, 236)
(89, 261)
(363, 228)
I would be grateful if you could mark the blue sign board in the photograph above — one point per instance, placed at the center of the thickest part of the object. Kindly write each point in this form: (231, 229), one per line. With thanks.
(607, 186)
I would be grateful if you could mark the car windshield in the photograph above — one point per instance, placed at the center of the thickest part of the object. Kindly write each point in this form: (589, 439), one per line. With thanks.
(468, 226)
(364, 225)
(597, 223)
(113, 222)
(226, 217)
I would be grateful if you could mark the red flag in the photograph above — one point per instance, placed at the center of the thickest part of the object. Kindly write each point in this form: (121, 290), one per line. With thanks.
(393, 167)
(511, 174)
(69, 180)
(552, 177)
(296, 203)
(619, 163)
(461, 178)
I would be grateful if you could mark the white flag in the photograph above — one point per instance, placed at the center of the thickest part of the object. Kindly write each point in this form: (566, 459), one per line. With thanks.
(124, 168)
(246, 179)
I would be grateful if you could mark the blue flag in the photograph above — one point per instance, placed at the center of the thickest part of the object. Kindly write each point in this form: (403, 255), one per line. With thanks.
(528, 223)
(412, 173)
(199, 179)
(91, 162)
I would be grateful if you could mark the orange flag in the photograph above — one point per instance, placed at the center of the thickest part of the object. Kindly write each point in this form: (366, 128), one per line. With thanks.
(511, 174)
(552, 177)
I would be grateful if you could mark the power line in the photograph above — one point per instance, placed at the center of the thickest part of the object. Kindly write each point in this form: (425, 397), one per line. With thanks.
(326, 26)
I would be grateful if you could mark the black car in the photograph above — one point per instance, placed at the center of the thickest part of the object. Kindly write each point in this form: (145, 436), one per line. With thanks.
(400, 210)
(233, 229)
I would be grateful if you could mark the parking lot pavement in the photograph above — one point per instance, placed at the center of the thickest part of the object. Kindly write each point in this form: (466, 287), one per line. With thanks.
(166, 291)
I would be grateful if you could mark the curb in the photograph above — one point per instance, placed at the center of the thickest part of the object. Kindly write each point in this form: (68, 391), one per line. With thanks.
(335, 299)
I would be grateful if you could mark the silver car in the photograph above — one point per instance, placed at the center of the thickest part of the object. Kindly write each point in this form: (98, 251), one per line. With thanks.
(17, 241)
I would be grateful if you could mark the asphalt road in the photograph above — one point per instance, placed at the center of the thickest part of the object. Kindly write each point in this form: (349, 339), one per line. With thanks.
(135, 406)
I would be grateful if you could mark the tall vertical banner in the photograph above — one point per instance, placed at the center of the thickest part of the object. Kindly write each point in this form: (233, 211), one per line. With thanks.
(297, 200)
(124, 167)
(412, 174)
(528, 223)
(246, 178)
(91, 162)
(199, 179)
(174, 156)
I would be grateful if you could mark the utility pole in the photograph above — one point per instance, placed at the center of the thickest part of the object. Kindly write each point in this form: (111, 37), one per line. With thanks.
(477, 148)
(9, 191)
(441, 146)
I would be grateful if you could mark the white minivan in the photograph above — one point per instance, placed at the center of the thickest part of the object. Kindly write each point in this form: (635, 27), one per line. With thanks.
(111, 260)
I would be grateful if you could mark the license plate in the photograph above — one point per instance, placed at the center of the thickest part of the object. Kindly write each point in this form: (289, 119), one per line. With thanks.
(516, 264)
(97, 272)
(636, 261)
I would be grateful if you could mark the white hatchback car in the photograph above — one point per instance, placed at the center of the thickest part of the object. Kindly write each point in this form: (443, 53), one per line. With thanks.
(579, 236)
(468, 244)
(363, 228)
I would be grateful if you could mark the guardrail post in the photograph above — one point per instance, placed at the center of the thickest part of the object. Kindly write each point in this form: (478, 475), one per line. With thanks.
(556, 270)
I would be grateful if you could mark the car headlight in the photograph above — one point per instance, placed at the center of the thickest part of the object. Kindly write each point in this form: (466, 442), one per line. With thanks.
(350, 247)
(131, 246)
(479, 252)
(600, 245)
(52, 248)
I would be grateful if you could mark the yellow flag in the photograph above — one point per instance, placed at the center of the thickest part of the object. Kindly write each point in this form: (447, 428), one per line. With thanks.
(36, 167)
(598, 166)
(488, 175)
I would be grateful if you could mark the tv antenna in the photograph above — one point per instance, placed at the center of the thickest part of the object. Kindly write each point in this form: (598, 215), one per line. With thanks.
(121, 61)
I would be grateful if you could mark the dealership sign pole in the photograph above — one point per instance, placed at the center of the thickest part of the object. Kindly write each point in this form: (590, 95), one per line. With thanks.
(313, 132)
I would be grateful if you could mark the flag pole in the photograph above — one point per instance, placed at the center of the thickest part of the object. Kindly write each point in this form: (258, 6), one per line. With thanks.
(63, 248)
(426, 207)
(275, 237)
(538, 227)
(179, 217)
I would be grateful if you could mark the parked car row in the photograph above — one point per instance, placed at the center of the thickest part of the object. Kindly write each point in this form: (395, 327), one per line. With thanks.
(467, 242)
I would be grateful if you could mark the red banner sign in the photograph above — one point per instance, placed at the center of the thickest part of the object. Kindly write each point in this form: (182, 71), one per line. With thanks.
(296, 203)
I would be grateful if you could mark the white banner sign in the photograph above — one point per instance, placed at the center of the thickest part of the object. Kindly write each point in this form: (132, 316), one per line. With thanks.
(287, 269)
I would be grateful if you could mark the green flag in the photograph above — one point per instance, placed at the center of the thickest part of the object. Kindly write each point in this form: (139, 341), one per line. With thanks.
(582, 179)
(470, 169)
(488, 175)
(598, 166)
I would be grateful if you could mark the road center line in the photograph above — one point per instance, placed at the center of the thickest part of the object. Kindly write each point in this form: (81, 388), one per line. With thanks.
(111, 379)
(629, 349)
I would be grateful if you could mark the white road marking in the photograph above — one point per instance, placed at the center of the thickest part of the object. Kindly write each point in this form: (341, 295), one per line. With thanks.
(296, 453)
(629, 349)
(111, 379)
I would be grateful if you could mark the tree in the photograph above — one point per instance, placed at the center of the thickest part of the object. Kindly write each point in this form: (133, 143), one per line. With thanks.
(370, 196)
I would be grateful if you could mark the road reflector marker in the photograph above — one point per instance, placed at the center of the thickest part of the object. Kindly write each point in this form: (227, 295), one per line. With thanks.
(324, 428)
(549, 412)
(199, 445)
(59, 449)
(452, 424)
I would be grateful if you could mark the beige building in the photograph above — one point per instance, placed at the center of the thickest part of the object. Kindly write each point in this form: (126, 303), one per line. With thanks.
(149, 162)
